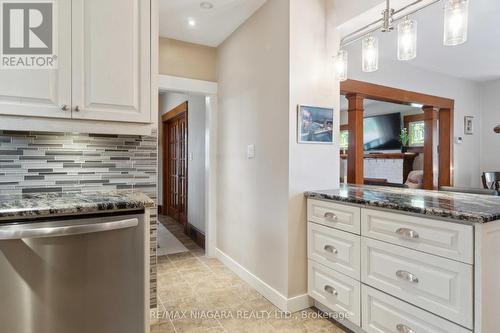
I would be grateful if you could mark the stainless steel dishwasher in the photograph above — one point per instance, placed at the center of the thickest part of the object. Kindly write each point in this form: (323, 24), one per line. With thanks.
(74, 275)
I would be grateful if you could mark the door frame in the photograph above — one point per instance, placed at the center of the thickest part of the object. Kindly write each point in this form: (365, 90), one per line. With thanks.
(167, 83)
(180, 110)
(438, 170)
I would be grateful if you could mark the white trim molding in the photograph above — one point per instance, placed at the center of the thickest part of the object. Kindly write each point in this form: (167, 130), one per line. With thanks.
(293, 304)
(181, 84)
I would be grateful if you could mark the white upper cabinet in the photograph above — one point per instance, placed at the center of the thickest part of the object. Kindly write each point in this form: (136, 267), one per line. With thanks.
(104, 66)
(41, 92)
(111, 60)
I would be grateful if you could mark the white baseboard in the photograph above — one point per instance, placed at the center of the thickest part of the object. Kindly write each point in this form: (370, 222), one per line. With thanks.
(293, 304)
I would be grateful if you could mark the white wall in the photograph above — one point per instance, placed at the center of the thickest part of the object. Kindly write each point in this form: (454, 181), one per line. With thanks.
(253, 108)
(278, 59)
(312, 82)
(196, 151)
(465, 93)
(490, 118)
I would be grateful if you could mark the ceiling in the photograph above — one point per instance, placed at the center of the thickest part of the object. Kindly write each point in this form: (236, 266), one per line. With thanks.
(212, 26)
(477, 59)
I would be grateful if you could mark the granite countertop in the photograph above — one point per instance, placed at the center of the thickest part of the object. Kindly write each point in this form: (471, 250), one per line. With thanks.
(463, 207)
(63, 204)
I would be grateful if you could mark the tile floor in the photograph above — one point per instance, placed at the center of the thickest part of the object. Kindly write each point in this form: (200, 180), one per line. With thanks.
(199, 294)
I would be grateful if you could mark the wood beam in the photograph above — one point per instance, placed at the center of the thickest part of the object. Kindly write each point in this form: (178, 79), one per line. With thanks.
(446, 135)
(430, 158)
(392, 95)
(355, 156)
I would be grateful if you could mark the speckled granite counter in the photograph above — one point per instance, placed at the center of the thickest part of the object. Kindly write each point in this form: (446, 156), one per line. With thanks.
(467, 208)
(63, 204)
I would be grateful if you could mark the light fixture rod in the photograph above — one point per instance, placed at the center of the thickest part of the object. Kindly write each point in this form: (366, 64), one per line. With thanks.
(368, 29)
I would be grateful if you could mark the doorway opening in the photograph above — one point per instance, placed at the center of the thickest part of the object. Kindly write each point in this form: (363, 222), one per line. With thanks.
(376, 119)
(187, 162)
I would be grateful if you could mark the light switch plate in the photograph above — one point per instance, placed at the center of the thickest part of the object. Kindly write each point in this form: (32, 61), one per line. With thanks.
(251, 151)
(190, 156)
(459, 140)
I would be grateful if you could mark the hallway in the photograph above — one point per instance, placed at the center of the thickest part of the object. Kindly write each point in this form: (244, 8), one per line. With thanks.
(191, 284)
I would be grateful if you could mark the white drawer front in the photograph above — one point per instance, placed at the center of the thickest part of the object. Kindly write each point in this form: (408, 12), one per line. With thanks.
(385, 314)
(336, 291)
(336, 249)
(449, 240)
(333, 215)
(441, 286)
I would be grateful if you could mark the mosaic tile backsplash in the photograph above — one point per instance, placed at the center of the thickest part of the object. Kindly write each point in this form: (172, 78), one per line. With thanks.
(68, 162)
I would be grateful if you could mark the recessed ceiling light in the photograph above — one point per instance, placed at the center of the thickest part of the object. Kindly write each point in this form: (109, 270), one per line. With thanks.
(206, 5)
(191, 22)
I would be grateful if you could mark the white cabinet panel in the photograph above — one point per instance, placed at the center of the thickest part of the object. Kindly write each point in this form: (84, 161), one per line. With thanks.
(385, 314)
(441, 286)
(111, 60)
(333, 215)
(41, 92)
(334, 248)
(449, 240)
(336, 291)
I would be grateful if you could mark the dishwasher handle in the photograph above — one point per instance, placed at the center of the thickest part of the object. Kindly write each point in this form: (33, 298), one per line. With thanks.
(51, 229)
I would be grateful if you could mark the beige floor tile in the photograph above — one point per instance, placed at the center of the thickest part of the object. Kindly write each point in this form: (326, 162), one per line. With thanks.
(163, 327)
(194, 325)
(190, 281)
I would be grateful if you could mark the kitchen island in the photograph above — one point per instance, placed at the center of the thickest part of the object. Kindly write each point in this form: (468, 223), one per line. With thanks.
(404, 260)
(75, 262)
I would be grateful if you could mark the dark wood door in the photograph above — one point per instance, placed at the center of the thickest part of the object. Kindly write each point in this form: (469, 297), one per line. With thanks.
(175, 163)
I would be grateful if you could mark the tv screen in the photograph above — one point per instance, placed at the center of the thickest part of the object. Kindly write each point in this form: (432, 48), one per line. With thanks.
(382, 132)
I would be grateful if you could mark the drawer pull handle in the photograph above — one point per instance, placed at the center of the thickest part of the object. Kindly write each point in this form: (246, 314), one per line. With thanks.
(331, 290)
(330, 216)
(404, 329)
(331, 249)
(407, 233)
(407, 276)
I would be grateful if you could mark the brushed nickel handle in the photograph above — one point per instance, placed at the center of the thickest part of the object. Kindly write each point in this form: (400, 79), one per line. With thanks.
(330, 216)
(64, 107)
(407, 233)
(61, 229)
(77, 108)
(407, 276)
(331, 249)
(404, 329)
(331, 290)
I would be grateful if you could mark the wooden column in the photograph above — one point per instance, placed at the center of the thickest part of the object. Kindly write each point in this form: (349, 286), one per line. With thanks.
(445, 150)
(430, 158)
(355, 154)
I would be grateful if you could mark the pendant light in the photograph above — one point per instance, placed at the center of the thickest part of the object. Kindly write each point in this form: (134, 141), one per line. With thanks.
(407, 39)
(370, 53)
(456, 17)
(340, 63)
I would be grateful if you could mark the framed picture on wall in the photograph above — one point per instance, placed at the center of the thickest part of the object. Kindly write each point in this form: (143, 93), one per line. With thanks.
(315, 124)
(469, 125)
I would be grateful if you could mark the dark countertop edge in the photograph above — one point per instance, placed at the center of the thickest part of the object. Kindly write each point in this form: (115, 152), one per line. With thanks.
(436, 212)
(44, 214)
(39, 205)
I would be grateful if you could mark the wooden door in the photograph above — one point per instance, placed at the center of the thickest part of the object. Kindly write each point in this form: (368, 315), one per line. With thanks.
(42, 92)
(111, 60)
(175, 169)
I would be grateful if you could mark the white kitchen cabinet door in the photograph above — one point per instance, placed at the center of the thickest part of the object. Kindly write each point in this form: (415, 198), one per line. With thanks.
(111, 60)
(42, 92)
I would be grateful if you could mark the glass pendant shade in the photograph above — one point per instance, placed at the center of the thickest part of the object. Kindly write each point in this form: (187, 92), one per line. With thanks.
(456, 17)
(340, 63)
(370, 54)
(407, 39)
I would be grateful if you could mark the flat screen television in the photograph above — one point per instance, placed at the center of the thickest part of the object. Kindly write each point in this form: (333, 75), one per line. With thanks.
(382, 132)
